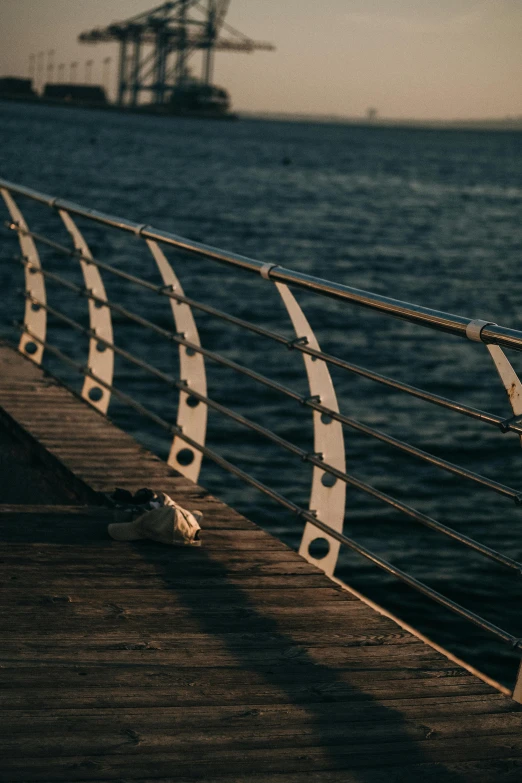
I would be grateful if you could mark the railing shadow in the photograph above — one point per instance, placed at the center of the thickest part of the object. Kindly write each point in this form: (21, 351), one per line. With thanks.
(295, 675)
(342, 722)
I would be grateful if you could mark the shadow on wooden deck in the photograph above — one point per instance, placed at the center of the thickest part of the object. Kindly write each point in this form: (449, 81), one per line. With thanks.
(192, 676)
(236, 661)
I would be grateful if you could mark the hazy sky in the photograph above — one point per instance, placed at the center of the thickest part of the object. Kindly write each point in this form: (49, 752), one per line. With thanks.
(408, 58)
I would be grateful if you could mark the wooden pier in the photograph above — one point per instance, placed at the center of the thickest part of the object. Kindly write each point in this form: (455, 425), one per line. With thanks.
(234, 662)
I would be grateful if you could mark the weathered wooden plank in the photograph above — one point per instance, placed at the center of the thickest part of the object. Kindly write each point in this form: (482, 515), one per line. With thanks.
(195, 761)
(231, 650)
(469, 710)
(96, 601)
(152, 558)
(109, 581)
(504, 770)
(214, 517)
(240, 642)
(234, 622)
(250, 729)
(59, 530)
(20, 511)
(55, 697)
(210, 521)
(228, 596)
(192, 620)
(135, 670)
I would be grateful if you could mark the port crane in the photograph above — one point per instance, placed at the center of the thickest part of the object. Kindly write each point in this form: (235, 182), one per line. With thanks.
(155, 47)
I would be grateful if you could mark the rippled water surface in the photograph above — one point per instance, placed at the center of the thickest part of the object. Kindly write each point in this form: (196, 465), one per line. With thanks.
(433, 217)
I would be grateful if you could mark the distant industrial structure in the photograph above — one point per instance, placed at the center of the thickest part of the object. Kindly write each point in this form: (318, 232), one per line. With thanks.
(14, 87)
(84, 94)
(155, 48)
(154, 73)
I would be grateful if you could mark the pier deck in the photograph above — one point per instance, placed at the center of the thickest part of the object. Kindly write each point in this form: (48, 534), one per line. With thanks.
(236, 661)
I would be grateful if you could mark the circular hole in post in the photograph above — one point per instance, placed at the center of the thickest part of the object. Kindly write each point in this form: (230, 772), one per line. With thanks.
(318, 548)
(192, 402)
(190, 352)
(30, 348)
(327, 480)
(325, 419)
(101, 347)
(95, 394)
(35, 307)
(185, 457)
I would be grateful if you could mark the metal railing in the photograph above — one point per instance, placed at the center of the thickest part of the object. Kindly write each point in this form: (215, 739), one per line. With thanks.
(325, 516)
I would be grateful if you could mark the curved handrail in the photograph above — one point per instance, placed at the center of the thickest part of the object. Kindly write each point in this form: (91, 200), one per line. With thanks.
(505, 425)
(310, 402)
(312, 458)
(423, 316)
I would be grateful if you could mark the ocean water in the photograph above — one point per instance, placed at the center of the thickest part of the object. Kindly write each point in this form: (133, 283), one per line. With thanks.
(427, 216)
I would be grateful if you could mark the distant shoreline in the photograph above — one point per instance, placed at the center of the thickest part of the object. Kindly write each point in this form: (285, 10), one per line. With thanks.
(501, 124)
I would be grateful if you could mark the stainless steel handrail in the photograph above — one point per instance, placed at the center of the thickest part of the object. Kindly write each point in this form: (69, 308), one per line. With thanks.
(505, 425)
(407, 448)
(423, 316)
(305, 456)
(514, 642)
